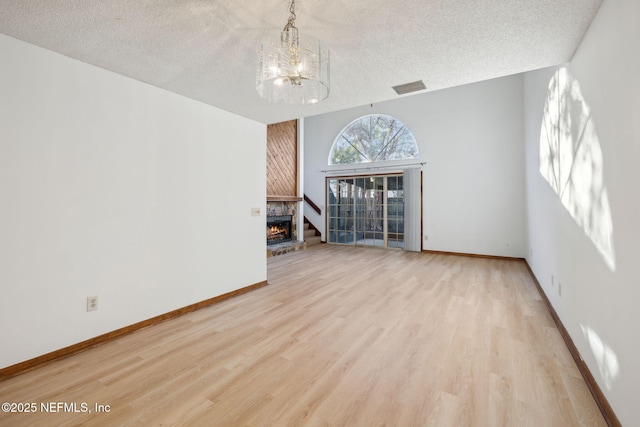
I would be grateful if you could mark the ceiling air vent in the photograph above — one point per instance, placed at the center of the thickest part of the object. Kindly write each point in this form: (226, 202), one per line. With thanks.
(409, 87)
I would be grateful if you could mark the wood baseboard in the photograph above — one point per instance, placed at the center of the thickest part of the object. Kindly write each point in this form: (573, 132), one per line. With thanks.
(30, 364)
(606, 409)
(427, 251)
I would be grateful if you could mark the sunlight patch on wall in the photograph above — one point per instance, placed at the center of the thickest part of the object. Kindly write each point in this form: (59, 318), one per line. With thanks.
(571, 161)
(605, 356)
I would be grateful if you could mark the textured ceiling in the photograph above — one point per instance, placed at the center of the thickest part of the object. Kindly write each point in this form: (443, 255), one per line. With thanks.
(206, 49)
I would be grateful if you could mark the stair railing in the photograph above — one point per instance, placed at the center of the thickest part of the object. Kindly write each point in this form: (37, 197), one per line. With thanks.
(312, 205)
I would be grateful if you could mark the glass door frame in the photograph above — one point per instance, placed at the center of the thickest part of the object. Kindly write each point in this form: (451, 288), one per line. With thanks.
(345, 229)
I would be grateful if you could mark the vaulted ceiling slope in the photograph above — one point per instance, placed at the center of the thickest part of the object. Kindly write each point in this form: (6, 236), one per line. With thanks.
(207, 49)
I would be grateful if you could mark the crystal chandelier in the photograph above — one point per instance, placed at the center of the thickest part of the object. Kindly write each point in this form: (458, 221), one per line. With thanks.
(289, 73)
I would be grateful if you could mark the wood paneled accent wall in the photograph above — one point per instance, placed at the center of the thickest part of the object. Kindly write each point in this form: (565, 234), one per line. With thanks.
(282, 160)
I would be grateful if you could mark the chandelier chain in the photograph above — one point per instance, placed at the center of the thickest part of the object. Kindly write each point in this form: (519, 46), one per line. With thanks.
(291, 23)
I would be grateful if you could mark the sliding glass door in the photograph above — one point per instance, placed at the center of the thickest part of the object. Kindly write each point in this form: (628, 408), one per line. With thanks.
(366, 211)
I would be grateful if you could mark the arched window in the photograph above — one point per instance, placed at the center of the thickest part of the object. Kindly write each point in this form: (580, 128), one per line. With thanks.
(373, 138)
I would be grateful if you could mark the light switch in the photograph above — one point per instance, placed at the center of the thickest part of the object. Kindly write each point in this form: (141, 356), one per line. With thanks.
(255, 211)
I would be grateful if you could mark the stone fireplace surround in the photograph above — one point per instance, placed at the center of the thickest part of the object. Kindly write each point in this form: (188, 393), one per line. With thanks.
(280, 208)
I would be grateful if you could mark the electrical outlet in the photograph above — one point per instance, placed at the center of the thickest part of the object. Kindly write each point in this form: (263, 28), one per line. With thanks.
(92, 303)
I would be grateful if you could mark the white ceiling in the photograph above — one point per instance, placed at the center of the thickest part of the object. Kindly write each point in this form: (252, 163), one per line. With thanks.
(206, 49)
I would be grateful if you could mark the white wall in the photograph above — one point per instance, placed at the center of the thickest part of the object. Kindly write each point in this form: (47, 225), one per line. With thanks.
(471, 140)
(598, 302)
(114, 188)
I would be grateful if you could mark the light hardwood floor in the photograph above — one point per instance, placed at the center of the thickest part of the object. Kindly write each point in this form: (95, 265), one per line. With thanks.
(341, 337)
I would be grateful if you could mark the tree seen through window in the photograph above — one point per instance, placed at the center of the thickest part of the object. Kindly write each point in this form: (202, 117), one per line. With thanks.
(373, 138)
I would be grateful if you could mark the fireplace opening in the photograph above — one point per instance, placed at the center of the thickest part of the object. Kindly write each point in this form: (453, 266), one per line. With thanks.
(278, 229)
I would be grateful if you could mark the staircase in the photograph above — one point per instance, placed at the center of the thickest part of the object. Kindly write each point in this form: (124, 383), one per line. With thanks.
(311, 234)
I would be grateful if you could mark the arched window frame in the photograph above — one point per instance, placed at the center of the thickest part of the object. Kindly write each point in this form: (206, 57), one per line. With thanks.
(369, 139)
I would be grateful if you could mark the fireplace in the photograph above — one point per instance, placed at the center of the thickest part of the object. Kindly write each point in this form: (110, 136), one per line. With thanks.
(278, 229)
